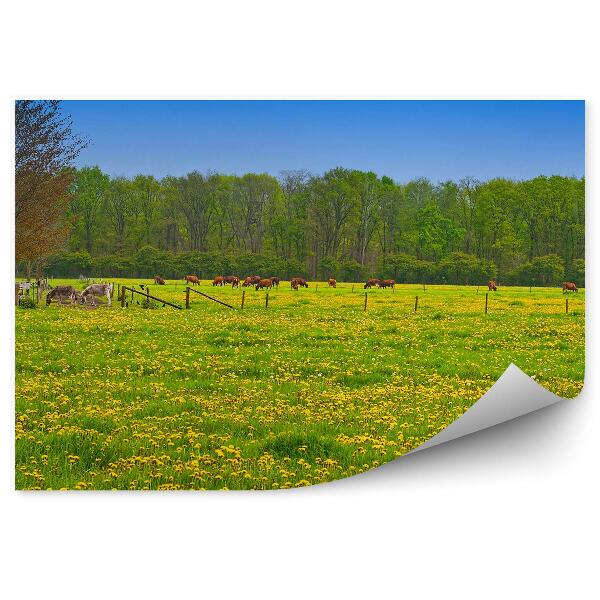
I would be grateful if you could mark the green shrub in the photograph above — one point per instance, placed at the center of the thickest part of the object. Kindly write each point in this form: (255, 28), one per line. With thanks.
(27, 302)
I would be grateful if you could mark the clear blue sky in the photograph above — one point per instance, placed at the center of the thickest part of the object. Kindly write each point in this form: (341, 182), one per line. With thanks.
(402, 139)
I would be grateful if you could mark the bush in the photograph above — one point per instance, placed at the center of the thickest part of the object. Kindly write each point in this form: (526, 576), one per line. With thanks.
(577, 272)
(149, 304)
(70, 264)
(27, 302)
(352, 270)
(329, 267)
(548, 270)
(466, 269)
(405, 268)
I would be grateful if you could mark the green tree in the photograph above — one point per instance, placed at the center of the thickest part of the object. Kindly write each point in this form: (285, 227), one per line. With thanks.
(89, 195)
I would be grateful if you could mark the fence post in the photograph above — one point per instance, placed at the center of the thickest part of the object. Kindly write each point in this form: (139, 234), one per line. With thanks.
(316, 287)
(486, 302)
(118, 291)
(352, 287)
(423, 286)
(416, 302)
(243, 298)
(16, 294)
(567, 306)
(123, 297)
(366, 296)
(267, 300)
(187, 297)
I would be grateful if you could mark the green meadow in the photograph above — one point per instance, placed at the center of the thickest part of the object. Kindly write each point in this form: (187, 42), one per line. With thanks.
(308, 389)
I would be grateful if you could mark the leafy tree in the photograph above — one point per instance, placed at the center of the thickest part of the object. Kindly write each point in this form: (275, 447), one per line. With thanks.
(88, 196)
(437, 234)
(119, 206)
(45, 148)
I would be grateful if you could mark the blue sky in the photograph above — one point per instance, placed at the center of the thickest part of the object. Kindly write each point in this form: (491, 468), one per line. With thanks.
(440, 140)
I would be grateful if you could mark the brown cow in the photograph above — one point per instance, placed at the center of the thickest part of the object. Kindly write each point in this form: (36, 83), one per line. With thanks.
(275, 281)
(332, 282)
(218, 280)
(192, 279)
(251, 280)
(298, 281)
(385, 283)
(492, 285)
(371, 283)
(264, 284)
(159, 280)
(569, 286)
(231, 279)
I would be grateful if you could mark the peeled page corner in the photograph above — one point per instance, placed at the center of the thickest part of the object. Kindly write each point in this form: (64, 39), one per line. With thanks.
(513, 395)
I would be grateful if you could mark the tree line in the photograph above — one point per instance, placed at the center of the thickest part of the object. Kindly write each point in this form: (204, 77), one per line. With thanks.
(345, 223)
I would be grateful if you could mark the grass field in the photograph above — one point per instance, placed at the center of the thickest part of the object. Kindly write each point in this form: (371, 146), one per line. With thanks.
(311, 389)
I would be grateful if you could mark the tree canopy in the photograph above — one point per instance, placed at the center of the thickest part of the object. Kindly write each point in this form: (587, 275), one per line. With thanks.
(344, 223)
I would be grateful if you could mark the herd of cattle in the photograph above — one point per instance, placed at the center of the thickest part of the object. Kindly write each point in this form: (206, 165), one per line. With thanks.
(91, 292)
(260, 283)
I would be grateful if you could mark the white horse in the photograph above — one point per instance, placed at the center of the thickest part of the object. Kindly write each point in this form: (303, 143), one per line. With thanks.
(98, 289)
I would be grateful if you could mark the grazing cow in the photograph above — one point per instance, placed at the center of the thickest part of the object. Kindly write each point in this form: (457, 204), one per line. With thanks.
(298, 281)
(61, 292)
(231, 279)
(569, 286)
(275, 281)
(251, 280)
(97, 289)
(159, 280)
(332, 282)
(371, 283)
(264, 284)
(492, 285)
(218, 281)
(385, 283)
(192, 279)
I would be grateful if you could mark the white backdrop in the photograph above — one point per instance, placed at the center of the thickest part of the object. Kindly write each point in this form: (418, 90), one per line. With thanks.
(508, 513)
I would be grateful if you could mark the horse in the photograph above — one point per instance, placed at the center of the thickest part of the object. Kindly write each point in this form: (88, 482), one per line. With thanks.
(192, 279)
(492, 285)
(568, 286)
(159, 280)
(332, 282)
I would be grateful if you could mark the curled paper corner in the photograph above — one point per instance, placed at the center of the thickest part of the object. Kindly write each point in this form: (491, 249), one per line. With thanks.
(513, 395)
